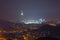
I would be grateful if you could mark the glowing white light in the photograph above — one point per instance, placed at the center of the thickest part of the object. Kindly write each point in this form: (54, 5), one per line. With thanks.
(41, 20)
(34, 21)
(21, 14)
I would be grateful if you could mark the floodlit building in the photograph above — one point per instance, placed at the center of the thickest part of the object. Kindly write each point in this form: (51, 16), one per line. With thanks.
(38, 21)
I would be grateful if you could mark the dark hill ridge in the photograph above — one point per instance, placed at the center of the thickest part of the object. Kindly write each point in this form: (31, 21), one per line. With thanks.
(6, 25)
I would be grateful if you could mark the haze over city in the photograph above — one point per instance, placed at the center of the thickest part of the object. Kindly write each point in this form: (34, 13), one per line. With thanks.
(33, 9)
(29, 19)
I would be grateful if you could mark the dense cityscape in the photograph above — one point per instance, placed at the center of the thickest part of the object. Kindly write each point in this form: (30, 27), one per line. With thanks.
(29, 19)
(19, 31)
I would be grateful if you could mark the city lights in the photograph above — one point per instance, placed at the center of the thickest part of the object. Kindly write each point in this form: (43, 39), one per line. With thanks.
(38, 21)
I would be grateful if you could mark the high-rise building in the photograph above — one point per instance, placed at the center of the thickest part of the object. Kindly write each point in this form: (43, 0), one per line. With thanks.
(21, 14)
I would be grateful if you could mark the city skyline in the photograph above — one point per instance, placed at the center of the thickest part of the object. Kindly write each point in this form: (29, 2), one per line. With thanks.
(33, 9)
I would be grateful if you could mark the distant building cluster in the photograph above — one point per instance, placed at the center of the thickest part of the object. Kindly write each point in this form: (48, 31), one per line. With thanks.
(39, 21)
(30, 21)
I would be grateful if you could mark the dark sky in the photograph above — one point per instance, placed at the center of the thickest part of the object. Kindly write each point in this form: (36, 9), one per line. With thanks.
(10, 9)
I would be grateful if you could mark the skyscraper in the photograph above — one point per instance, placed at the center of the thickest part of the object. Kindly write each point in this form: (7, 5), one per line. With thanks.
(22, 14)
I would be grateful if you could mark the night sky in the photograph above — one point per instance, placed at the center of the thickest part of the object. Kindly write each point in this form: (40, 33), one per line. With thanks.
(35, 9)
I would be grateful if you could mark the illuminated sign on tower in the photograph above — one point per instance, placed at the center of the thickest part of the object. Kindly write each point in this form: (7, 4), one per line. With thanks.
(22, 13)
